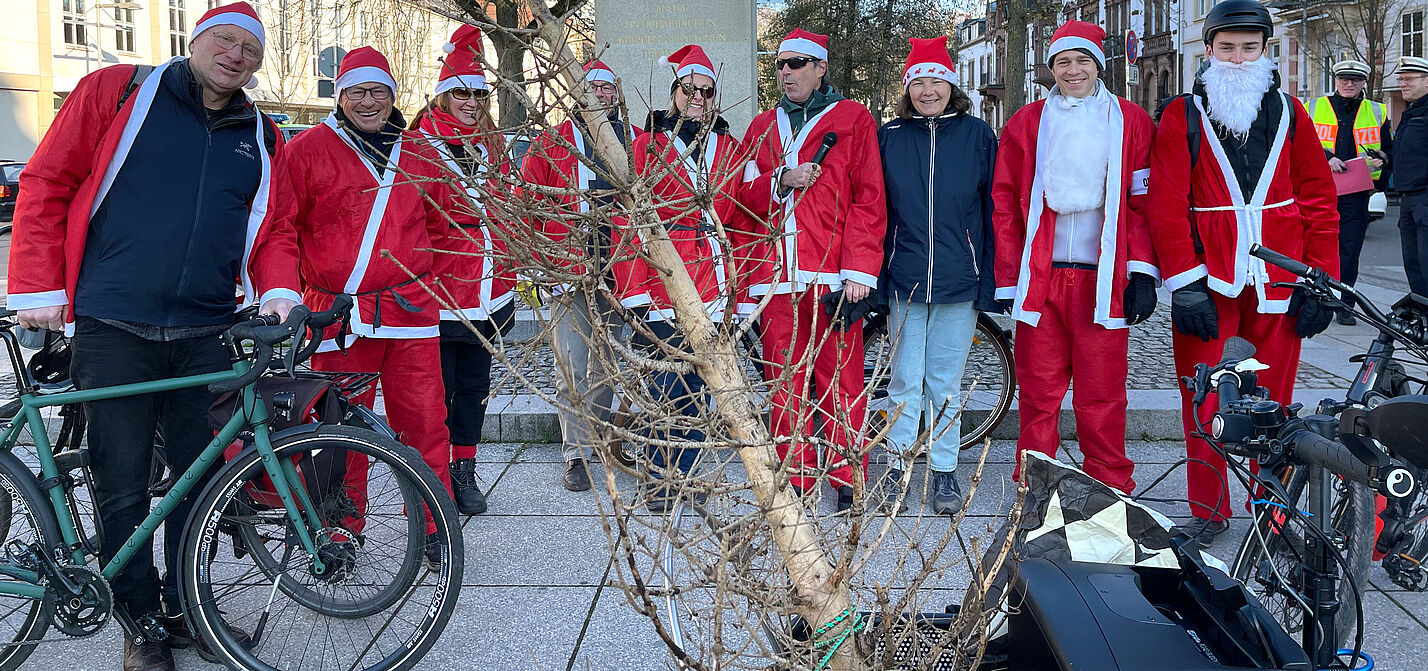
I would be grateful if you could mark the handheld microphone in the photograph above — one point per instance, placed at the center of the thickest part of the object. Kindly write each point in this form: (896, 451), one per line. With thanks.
(829, 139)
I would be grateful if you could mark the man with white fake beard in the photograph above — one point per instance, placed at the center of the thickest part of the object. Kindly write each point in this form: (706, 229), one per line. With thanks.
(1074, 259)
(1237, 163)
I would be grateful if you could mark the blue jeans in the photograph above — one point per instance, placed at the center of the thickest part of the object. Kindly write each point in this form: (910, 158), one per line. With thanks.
(686, 393)
(930, 346)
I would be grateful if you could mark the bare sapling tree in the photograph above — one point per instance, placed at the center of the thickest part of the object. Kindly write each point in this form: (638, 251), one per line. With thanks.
(734, 567)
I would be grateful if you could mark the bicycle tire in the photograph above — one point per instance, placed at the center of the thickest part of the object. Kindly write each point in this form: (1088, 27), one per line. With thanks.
(17, 483)
(1352, 515)
(288, 642)
(996, 338)
(254, 542)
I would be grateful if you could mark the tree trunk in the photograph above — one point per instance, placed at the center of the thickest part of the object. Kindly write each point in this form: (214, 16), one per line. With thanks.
(510, 61)
(823, 598)
(1014, 93)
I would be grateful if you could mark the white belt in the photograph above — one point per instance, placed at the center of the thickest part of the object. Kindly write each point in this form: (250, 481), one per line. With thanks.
(1254, 216)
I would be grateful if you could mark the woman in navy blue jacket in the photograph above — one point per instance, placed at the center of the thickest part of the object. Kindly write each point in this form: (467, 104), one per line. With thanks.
(937, 164)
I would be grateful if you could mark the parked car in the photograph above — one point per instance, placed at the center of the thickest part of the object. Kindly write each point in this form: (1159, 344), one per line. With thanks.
(9, 188)
(291, 129)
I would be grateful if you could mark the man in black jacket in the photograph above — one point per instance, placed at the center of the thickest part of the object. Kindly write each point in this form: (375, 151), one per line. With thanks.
(1410, 167)
(1350, 127)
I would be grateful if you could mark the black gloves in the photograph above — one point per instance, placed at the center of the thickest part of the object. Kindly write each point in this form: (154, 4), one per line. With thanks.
(1193, 311)
(1138, 301)
(846, 314)
(1006, 304)
(1314, 314)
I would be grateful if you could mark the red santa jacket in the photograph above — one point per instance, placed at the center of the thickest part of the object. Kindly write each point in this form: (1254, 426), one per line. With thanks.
(69, 175)
(710, 265)
(1026, 228)
(834, 230)
(333, 221)
(473, 276)
(1294, 209)
(550, 163)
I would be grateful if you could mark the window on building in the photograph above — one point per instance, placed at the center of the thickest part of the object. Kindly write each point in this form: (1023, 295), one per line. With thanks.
(1413, 33)
(315, 16)
(178, 28)
(124, 30)
(285, 33)
(74, 34)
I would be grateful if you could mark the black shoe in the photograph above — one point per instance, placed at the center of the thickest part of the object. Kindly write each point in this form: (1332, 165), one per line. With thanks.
(577, 476)
(658, 500)
(1204, 532)
(433, 553)
(845, 498)
(894, 501)
(1345, 318)
(946, 493)
(469, 499)
(148, 656)
(181, 638)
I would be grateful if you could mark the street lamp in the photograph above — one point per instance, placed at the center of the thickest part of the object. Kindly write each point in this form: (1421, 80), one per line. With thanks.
(99, 52)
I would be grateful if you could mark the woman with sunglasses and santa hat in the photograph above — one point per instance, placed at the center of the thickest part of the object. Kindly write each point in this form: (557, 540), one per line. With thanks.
(689, 154)
(476, 290)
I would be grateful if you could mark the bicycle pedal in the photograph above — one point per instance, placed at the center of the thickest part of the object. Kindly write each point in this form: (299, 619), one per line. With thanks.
(70, 460)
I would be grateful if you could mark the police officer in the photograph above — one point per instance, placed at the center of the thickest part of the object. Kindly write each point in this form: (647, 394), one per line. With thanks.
(1350, 127)
(1410, 163)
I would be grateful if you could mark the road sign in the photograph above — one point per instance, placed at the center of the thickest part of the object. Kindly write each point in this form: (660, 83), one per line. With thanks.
(1132, 46)
(328, 61)
(1132, 75)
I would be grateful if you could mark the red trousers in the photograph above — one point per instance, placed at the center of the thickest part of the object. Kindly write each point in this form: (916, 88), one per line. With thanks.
(414, 397)
(1277, 347)
(793, 326)
(1067, 346)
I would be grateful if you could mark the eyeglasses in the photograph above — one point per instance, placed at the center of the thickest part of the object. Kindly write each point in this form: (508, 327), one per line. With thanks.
(1410, 78)
(467, 94)
(603, 87)
(690, 89)
(226, 42)
(378, 93)
(795, 63)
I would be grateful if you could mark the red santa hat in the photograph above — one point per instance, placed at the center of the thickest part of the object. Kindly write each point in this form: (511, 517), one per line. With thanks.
(929, 58)
(461, 68)
(364, 65)
(238, 14)
(596, 71)
(690, 59)
(803, 42)
(1079, 35)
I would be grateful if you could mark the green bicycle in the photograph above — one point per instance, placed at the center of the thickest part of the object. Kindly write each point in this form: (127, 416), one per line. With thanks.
(284, 565)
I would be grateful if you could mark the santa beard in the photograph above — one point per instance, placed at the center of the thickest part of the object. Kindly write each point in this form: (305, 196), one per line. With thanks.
(1074, 166)
(1235, 90)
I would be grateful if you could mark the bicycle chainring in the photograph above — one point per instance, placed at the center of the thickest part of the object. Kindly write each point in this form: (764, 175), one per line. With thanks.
(1406, 573)
(87, 611)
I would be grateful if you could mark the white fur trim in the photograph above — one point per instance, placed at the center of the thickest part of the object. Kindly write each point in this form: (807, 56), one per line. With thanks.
(363, 75)
(935, 70)
(1143, 268)
(236, 19)
(1004, 293)
(695, 68)
(600, 76)
(751, 171)
(279, 293)
(870, 281)
(477, 82)
(802, 45)
(1185, 278)
(1073, 42)
(38, 299)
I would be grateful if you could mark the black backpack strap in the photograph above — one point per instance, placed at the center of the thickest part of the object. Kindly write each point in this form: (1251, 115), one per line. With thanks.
(1193, 130)
(141, 72)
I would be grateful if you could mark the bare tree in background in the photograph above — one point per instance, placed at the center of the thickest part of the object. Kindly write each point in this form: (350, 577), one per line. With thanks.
(744, 572)
(1365, 28)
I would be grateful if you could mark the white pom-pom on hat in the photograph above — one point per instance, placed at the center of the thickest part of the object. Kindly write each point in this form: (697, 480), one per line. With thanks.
(449, 48)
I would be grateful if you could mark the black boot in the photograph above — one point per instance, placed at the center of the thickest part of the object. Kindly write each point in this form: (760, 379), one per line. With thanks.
(469, 499)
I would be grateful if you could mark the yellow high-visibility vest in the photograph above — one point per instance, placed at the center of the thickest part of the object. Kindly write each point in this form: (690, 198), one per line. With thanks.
(1368, 126)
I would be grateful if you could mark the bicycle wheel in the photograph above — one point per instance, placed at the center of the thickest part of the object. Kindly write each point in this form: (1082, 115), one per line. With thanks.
(376, 608)
(1270, 560)
(988, 379)
(27, 519)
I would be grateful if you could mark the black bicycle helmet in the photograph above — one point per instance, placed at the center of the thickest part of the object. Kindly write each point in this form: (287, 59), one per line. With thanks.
(50, 365)
(1238, 15)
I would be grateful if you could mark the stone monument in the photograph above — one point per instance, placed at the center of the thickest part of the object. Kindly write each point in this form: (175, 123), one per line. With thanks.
(639, 34)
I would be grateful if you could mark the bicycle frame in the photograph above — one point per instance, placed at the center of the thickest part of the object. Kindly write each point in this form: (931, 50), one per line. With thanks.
(254, 417)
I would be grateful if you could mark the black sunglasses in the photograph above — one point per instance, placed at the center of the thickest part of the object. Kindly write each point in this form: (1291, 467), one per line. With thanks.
(690, 90)
(795, 63)
(467, 94)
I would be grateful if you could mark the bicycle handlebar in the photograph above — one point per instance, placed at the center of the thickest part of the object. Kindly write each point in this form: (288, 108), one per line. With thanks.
(266, 333)
(1317, 277)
